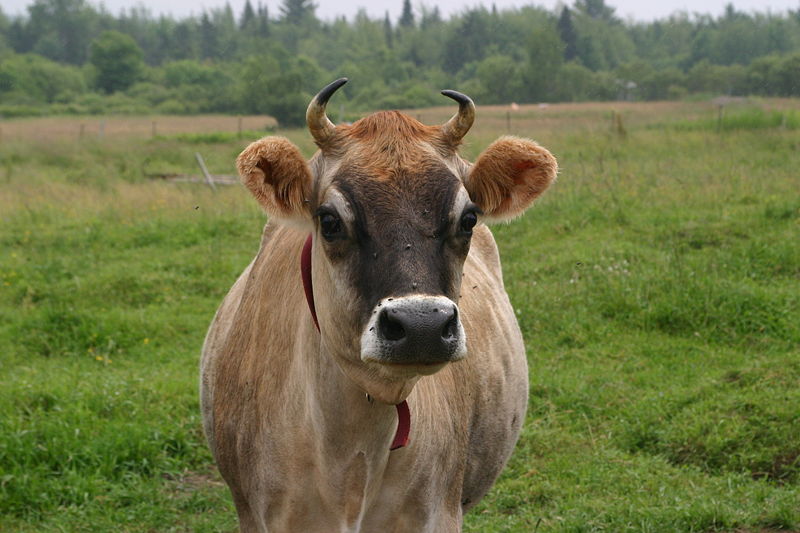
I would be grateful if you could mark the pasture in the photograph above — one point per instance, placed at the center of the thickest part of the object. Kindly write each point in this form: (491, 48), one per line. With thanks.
(657, 285)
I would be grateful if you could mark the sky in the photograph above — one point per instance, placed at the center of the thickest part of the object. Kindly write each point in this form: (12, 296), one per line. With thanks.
(642, 10)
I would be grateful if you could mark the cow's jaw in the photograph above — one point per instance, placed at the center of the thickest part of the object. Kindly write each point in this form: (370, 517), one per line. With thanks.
(413, 335)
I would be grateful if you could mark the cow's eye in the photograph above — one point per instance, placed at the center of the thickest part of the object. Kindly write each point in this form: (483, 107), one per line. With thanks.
(331, 225)
(468, 221)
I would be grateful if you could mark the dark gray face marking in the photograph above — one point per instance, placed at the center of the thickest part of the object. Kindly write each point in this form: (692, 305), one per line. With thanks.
(404, 239)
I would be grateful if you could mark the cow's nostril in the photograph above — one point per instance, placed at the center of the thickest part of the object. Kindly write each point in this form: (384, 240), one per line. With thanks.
(450, 330)
(390, 328)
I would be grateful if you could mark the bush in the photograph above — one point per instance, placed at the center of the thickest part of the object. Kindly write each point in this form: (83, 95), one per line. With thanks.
(30, 78)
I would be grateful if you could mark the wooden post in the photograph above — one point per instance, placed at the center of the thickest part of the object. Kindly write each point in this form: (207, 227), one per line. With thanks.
(619, 127)
(239, 128)
(508, 121)
(209, 179)
(153, 128)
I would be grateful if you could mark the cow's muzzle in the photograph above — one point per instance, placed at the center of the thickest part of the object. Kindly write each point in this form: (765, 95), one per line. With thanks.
(414, 331)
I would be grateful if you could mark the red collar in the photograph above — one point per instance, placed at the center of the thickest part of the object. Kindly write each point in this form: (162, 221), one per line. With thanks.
(401, 437)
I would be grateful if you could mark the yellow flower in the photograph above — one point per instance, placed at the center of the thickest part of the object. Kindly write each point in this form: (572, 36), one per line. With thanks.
(146, 340)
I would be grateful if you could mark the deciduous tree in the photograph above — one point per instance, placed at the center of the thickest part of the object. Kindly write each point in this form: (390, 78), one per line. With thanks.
(117, 60)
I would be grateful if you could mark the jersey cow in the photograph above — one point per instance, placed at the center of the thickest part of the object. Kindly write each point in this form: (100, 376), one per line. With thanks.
(366, 372)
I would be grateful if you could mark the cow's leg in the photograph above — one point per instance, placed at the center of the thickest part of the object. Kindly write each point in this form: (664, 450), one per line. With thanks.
(248, 522)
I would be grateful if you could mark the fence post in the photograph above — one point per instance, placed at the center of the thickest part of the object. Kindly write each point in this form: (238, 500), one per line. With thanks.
(508, 121)
(153, 129)
(616, 123)
(209, 179)
(239, 128)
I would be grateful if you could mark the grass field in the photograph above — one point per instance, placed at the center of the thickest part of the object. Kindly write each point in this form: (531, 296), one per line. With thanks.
(657, 285)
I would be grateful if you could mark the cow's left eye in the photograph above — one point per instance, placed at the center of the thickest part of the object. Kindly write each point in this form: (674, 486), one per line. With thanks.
(468, 221)
(331, 225)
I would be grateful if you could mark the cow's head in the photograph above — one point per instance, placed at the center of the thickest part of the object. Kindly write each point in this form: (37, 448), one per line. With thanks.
(392, 207)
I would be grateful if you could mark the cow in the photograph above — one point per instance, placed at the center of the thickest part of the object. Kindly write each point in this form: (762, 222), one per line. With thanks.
(366, 372)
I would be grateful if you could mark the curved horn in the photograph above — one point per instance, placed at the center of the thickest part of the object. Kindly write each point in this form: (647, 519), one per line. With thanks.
(454, 129)
(319, 124)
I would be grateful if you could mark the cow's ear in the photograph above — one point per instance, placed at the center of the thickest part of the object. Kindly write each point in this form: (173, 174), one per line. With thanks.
(508, 176)
(275, 172)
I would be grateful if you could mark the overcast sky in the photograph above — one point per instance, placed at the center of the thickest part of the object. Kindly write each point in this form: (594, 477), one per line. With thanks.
(328, 9)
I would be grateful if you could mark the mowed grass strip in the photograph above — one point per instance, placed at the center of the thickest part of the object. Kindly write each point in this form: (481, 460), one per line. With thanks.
(657, 286)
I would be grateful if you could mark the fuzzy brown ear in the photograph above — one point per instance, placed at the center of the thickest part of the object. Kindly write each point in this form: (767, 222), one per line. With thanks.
(508, 176)
(275, 172)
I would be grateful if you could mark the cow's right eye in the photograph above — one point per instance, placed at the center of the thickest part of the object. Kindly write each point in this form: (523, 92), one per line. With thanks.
(331, 226)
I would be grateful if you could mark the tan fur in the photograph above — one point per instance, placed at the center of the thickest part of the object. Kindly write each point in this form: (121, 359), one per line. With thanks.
(284, 407)
(509, 175)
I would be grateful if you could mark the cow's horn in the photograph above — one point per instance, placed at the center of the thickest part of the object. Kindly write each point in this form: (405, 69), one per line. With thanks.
(454, 129)
(319, 124)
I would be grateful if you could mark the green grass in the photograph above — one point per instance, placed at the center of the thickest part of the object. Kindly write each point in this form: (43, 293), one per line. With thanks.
(748, 118)
(657, 285)
(212, 138)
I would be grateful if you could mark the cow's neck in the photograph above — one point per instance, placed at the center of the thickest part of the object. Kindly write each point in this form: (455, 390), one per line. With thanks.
(403, 430)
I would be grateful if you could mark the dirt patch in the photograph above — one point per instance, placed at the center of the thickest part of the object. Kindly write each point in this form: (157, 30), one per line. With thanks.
(192, 480)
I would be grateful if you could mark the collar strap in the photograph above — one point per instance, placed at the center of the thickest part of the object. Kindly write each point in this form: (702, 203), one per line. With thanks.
(401, 436)
(305, 272)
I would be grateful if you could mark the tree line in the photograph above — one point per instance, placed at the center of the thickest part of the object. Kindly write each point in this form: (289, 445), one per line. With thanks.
(69, 56)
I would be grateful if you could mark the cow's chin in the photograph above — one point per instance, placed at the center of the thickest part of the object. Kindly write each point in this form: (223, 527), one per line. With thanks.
(390, 384)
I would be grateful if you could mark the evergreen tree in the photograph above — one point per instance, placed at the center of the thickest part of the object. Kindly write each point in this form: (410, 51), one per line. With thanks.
(183, 40)
(62, 29)
(566, 30)
(208, 37)
(263, 21)
(407, 17)
(596, 9)
(4, 24)
(545, 56)
(467, 41)
(248, 16)
(296, 11)
(430, 18)
(388, 32)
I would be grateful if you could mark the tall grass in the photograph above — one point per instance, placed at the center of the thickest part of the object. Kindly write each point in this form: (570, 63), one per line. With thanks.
(657, 286)
(748, 118)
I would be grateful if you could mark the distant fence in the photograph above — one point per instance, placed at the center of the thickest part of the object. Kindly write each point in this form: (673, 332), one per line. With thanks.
(47, 129)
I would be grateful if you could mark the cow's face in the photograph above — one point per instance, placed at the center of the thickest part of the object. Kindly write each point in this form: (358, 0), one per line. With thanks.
(392, 208)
